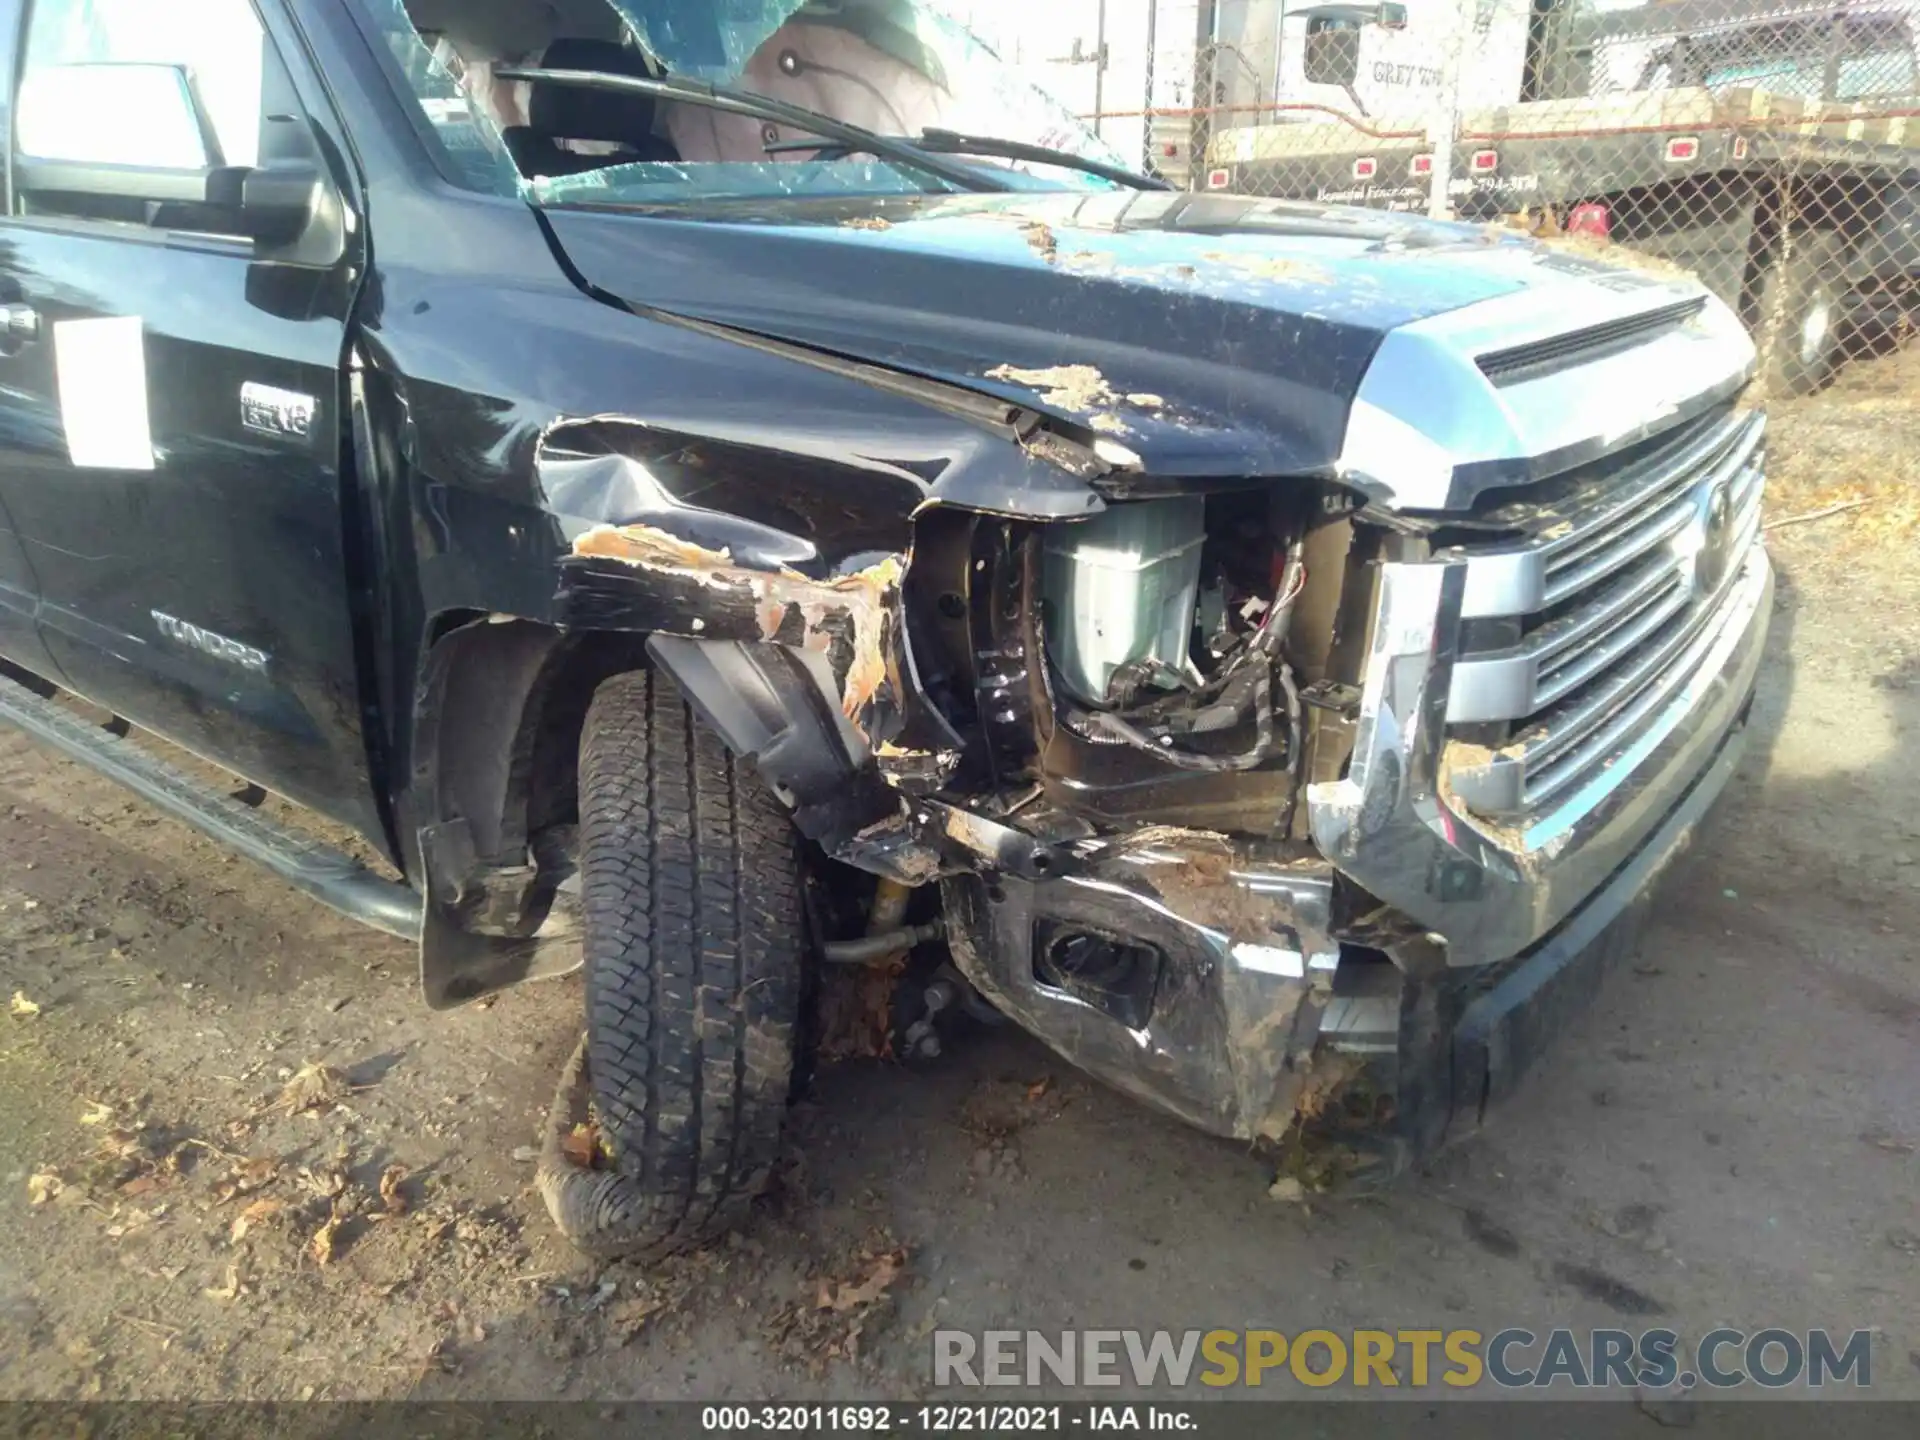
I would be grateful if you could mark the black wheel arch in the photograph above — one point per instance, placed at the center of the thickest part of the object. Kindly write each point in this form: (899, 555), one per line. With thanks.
(498, 717)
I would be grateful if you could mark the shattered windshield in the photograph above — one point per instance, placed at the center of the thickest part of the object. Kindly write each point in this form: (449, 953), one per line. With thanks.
(894, 67)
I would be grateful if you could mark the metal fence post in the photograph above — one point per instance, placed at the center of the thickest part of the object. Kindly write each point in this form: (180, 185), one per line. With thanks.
(1147, 96)
(1442, 128)
(1100, 70)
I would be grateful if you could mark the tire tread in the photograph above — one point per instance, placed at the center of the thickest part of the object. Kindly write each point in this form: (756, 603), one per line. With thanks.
(694, 939)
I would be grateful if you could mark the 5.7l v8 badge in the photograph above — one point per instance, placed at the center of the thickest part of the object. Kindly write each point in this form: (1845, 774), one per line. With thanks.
(269, 411)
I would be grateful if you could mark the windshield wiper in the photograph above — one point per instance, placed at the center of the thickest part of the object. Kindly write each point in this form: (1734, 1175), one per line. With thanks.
(951, 142)
(760, 107)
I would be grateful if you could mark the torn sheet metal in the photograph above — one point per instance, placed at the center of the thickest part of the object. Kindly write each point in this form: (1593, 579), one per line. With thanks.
(851, 618)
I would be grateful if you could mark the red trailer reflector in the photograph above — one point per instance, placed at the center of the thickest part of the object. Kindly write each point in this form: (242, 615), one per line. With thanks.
(1219, 179)
(1364, 167)
(1590, 219)
(1484, 162)
(1683, 147)
(1422, 165)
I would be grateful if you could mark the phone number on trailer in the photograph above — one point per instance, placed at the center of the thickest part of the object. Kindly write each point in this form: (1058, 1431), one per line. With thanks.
(868, 1419)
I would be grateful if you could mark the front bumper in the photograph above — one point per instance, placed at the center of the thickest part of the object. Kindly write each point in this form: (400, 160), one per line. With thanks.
(1210, 967)
(1392, 826)
(1512, 1020)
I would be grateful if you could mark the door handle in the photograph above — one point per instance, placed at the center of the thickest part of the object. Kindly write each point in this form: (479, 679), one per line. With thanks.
(19, 323)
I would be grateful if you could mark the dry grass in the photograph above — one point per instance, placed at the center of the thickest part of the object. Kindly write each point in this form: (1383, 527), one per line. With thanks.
(1544, 225)
(1857, 440)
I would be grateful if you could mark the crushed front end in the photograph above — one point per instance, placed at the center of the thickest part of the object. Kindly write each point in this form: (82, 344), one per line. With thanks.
(1268, 798)
(1356, 784)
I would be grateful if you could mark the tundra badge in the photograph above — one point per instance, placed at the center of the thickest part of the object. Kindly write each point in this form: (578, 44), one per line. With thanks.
(207, 642)
(267, 411)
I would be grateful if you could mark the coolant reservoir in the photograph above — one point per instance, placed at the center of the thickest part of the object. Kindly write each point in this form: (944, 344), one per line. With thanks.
(1121, 587)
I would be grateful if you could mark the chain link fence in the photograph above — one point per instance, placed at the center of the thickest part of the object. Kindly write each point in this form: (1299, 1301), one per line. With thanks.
(1770, 147)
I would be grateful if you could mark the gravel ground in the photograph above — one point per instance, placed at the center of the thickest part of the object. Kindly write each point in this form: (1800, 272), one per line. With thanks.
(265, 1171)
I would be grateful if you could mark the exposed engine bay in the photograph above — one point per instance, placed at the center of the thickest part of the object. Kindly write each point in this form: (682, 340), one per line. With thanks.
(1120, 598)
(1138, 656)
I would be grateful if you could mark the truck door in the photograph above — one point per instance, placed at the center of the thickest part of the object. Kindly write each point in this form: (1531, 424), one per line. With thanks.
(182, 501)
(19, 590)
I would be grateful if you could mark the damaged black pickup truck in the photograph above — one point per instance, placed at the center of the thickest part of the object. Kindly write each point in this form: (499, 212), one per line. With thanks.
(702, 507)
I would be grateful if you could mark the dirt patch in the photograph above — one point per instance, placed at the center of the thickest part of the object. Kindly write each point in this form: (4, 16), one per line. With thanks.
(1041, 238)
(1255, 266)
(1856, 444)
(1070, 387)
(1081, 390)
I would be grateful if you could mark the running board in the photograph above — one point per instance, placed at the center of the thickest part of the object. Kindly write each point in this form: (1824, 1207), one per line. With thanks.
(330, 876)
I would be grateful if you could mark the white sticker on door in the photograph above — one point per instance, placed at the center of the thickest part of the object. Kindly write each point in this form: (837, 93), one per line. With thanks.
(102, 368)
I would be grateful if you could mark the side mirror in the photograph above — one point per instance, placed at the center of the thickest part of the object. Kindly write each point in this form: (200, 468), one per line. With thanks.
(142, 116)
(1333, 50)
(142, 133)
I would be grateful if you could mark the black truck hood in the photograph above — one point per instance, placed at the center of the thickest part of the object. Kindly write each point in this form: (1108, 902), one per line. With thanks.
(1210, 335)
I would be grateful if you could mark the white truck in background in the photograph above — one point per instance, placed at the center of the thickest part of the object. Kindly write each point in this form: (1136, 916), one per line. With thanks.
(1406, 56)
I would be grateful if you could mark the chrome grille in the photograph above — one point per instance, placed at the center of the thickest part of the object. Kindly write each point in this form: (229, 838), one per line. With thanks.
(1579, 631)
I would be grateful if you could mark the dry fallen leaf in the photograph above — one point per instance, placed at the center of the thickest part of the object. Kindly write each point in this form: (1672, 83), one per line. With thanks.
(22, 1006)
(43, 1186)
(123, 1142)
(233, 1289)
(248, 1176)
(840, 1295)
(326, 1240)
(1039, 1087)
(96, 1113)
(315, 1087)
(581, 1144)
(327, 1184)
(391, 1195)
(136, 1220)
(629, 1317)
(258, 1213)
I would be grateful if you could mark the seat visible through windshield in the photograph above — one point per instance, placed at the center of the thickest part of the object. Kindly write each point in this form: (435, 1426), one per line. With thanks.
(895, 67)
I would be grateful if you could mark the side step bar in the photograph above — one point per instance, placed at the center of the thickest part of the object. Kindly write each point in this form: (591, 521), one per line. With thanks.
(333, 878)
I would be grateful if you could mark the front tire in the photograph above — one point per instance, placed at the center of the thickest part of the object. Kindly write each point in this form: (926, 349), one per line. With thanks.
(695, 946)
